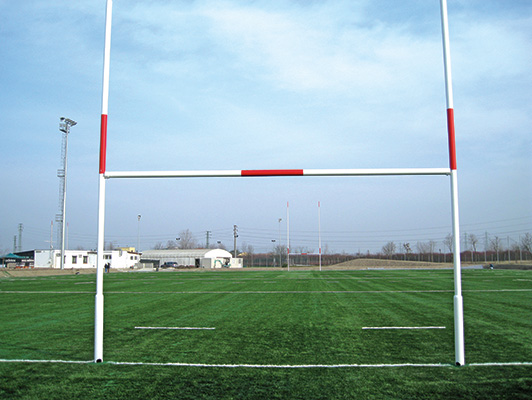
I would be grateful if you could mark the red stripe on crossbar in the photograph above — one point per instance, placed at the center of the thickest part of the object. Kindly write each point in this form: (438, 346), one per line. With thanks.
(103, 143)
(272, 172)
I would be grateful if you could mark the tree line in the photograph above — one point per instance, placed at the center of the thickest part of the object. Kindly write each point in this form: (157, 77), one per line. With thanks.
(473, 249)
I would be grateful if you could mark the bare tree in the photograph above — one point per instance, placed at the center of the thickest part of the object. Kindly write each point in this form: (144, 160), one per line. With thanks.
(171, 244)
(474, 241)
(448, 242)
(432, 248)
(422, 249)
(158, 246)
(280, 249)
(389, 249)
(526, 242)
(496, 245)
(248, 251)
(407, 249)
(247, 248)
(186, 240)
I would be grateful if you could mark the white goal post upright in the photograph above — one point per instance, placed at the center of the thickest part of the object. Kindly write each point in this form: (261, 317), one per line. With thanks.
(98, 308)
(458, 300)
(104, 175)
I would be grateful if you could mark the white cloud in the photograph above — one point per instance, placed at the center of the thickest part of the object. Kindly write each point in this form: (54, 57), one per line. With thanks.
(298, 55)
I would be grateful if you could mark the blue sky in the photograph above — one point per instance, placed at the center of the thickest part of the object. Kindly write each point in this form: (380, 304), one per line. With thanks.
(266, 84)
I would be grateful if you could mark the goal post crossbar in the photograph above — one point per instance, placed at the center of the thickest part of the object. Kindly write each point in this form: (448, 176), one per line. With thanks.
(277, 172)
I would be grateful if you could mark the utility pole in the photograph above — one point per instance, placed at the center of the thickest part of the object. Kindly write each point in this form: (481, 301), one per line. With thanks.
(20, 229)
(465, 246)
(52, 235)
(280, 248)
(207, 237)
(138, 232)
(287, 236)
(64, 126)
(14, 243)
(486, 246)
(319, 232)
(235, 235)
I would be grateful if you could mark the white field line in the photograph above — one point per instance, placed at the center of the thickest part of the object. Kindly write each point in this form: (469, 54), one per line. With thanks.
(42, 292)
(314, 291)
(281, 366)
(401, 327)
(286, 366)
(264, 291)
(185, 328)
(46, 361)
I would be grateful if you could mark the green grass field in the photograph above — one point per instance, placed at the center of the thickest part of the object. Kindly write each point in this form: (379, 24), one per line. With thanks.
(273, 334)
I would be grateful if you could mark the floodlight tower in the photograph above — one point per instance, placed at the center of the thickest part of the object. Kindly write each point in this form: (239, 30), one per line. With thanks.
(64, 126)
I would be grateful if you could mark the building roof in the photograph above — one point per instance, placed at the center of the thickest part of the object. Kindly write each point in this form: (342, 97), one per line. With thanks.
(13, 256)
(188, 253)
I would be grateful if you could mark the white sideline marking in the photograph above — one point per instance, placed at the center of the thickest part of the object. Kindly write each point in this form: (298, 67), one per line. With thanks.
(47, 361)
(300, 366)
(495, 364)
(488, 364)
(265, 292)
(175, 328)
(402, 327)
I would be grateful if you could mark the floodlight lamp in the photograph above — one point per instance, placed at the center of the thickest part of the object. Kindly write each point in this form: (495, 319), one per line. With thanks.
(65, 124)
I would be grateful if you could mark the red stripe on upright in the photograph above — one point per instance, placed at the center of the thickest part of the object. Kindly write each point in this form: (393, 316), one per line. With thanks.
(452, 143)
(272, 172)
(103, 143)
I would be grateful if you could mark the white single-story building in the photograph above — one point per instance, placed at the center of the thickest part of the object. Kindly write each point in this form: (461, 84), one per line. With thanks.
(199, 258)
(74, 259)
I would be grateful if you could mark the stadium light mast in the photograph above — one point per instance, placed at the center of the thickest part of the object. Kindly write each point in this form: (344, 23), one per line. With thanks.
(64, 126)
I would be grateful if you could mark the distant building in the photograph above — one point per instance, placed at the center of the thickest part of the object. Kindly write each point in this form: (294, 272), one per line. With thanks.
(75, 259)
(192, 258)
(15, 261)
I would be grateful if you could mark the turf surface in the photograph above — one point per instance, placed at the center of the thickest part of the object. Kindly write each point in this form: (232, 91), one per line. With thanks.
(300, 318)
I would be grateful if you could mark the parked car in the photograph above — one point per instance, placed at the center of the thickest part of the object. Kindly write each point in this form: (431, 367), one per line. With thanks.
(170, 264)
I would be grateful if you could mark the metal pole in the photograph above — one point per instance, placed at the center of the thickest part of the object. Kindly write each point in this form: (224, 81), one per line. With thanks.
(64, 127)
(235, 235)
(458, 300)
(288, 236)
(20, 229)
(138, 233)
(319, 232)
(280, 249)
(64, 200)
(98, 307)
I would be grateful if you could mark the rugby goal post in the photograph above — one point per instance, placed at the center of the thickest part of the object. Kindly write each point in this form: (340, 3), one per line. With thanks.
(451, 172)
